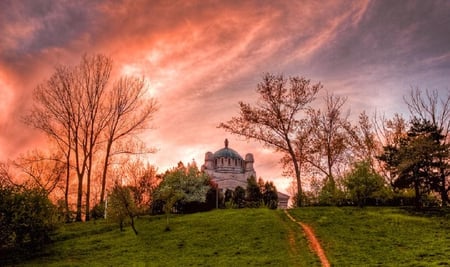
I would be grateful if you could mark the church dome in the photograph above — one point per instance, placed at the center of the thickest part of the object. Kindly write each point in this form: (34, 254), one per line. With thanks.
(227, 152)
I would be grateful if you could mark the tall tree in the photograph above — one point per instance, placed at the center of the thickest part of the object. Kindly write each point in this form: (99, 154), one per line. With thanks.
(129, 112)
(274, 120)
(329, 137)
(389, 133)
(77, 109)
(363, 140)
(429, 105)
(416, 160)
(55, 113)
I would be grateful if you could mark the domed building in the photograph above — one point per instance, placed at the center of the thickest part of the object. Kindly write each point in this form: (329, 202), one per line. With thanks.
(227, 168)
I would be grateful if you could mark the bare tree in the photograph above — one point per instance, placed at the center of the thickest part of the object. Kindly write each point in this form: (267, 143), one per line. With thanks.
(129, 112)
(363, 140)
(77, 109)
(389, 133)
(41, 171)
(329, 137)
(274, 120)
(55, 112)
(6, 178)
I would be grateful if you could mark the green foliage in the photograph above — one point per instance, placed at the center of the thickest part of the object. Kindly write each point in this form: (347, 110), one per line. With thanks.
(331, 195)
(377, 236)
(98, 211)
(417, 160)
(26, 218)
(270, 196)
(253, 194)
(180, 186)
(121, 207)
(364, 183)
(216, 238)
(239, 197)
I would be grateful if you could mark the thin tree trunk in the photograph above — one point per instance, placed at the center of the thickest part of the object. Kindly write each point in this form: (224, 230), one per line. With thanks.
(105, 171)
(66, 193)
(132, 225)
(79, 198)
(297, 174)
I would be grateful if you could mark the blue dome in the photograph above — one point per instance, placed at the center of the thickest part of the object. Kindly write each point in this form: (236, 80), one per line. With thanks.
(227, 153)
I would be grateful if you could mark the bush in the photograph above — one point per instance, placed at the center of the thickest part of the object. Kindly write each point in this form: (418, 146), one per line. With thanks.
(121, 207)
(98, 211)
(26, 218)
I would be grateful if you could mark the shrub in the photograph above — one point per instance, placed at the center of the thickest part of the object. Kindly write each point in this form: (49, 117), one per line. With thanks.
(26, 218)
(98, 211)
(121, 207)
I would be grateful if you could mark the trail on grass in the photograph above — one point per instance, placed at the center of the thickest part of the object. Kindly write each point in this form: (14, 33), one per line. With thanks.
(313, 241)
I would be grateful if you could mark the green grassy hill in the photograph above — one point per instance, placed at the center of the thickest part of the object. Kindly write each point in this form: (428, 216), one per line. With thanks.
(251, 237)
(380, 236)
(256, 237)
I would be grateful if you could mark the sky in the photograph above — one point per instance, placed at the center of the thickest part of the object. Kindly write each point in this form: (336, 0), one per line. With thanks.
(201, 58)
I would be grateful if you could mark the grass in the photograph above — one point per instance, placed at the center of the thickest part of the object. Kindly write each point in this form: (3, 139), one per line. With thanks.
(252, 237)
(379, 236)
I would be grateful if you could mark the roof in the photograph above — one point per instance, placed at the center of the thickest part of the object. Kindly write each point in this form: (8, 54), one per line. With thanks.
(227, 153)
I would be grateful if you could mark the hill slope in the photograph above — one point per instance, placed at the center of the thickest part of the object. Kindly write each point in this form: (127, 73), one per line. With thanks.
(252, 237)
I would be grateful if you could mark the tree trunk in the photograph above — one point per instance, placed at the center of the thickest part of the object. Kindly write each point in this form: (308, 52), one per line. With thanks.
(298, 179)
(79, 198)
(66, 193)
(418, 202)
(443, 189)
(105, 171)
(132, 225)
(88, 194)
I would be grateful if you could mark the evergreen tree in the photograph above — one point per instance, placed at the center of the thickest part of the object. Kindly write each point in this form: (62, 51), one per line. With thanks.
(253, 193)
(417, 160)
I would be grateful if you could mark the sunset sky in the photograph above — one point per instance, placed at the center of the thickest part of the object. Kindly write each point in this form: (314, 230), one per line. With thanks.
(202, 57)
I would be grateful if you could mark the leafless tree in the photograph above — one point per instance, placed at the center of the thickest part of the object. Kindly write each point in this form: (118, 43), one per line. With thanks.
(80, 112)
(41, 171)
(389, 132)
(329, 139)
(273, 120)
(363, 140)
(129, 112)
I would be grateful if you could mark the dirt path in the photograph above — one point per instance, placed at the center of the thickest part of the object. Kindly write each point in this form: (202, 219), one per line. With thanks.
(313, 241)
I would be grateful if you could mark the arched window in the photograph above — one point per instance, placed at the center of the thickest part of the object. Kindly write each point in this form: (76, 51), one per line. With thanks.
(229, 161)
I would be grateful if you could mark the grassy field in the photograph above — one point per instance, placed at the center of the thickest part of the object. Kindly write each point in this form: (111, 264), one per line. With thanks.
(379, 236)
(251, 237)
(256, 237)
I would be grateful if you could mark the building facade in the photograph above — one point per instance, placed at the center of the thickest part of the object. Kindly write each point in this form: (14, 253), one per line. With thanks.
(227, 168)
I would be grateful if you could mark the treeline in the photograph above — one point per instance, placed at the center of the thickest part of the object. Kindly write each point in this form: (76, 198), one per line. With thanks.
(337, 161)
(181, 190)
